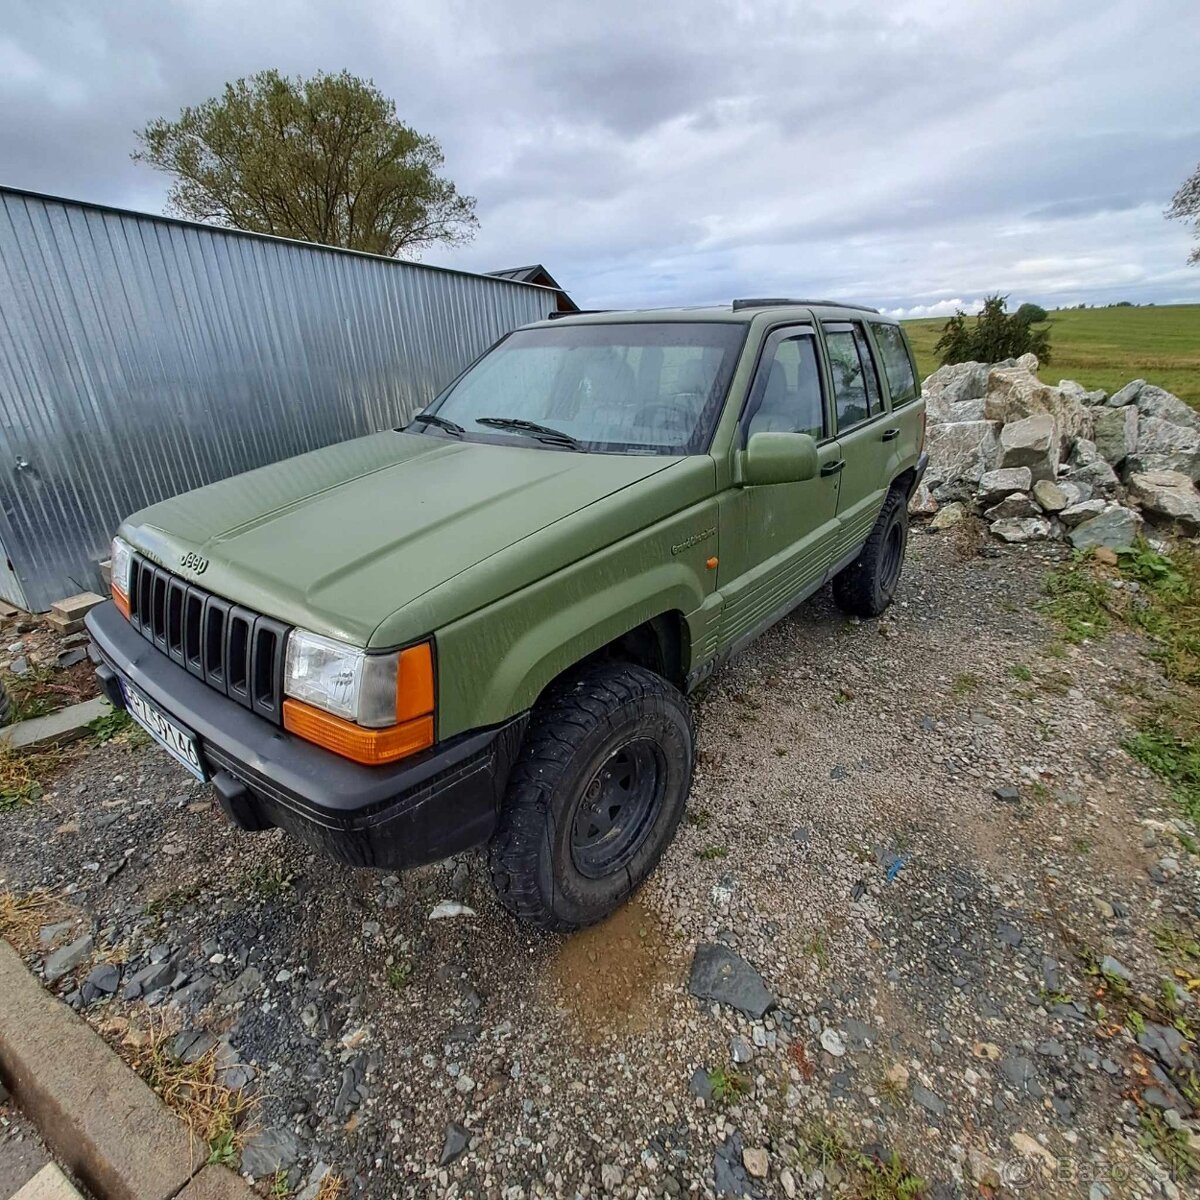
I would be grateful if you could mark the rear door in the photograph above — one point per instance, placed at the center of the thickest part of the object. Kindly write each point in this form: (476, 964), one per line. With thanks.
(777, 540)
(865, 434)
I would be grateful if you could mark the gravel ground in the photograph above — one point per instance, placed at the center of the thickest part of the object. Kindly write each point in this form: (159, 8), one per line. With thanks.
(920, 831)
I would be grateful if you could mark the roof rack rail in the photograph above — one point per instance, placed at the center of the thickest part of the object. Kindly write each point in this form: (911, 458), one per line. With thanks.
(557, 316)
(781, 301)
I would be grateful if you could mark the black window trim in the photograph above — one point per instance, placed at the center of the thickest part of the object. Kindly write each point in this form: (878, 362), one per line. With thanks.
(846, 325)
(771, 339)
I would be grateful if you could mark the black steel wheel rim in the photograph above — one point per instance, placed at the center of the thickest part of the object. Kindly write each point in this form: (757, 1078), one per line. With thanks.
(618, 807)
(893, 555)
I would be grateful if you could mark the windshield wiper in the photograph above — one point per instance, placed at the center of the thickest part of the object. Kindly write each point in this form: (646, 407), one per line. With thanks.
(441, 422)
(544, 432)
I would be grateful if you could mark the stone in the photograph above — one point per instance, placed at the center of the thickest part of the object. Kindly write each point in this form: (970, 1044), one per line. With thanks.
(149, 979)
(959, 454)
(74, 608)
(1076, 514)
(721, 975)
(700, 1085)
(69, 658)
(1116, 434)
(1018, 504)
(1076, 391)
(1166, 446)
(63, 961)
(922, 503)
(929, 1101)
(897, 1076)
(740, 1050)
(1015, 394)
(1075, 491)
(1021, 529)
(1114, 966)
(457, 1139)
(1126, 395)
(1031, 442)
(949, 515)
(1169, 495)
(242, 988)
(269, 1151)
(832, 1043)
(1021, 1075)
(1006, 793)
(57, 728)
(757, 1162)
(957, 382)
(1116, 528)
(995, 485)
(445, 909)
(104, 979)
(1049, 496)
(1159, 403)
(611, 1177)
(1099, 478)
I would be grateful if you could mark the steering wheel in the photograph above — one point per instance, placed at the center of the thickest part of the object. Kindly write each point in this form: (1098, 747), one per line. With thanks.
(677, 414)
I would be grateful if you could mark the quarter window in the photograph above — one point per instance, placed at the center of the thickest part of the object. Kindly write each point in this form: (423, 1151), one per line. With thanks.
(855, 384)
(787, 391)
(897, 366)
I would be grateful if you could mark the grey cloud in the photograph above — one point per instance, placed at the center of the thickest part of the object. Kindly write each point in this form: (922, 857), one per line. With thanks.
(903, 154)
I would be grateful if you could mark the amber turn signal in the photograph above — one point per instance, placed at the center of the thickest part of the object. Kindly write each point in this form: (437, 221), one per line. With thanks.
(414, 682)
(371, 747)
(121, 601)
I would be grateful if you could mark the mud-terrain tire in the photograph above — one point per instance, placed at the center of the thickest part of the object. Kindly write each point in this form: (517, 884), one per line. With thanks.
(866, 587)
(594, 797)
(6, 708)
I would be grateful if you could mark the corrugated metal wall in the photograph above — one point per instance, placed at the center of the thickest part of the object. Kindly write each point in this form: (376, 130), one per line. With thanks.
(141, 357)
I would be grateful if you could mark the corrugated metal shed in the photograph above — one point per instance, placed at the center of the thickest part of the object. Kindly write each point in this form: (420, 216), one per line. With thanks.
(142, 356)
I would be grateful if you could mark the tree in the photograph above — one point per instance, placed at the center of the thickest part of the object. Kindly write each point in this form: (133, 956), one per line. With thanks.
(1185, 206)
(324, 159)
(1031, 314)
(995, 335)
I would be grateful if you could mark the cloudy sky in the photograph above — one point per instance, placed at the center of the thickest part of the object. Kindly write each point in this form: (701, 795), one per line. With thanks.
(912, 154)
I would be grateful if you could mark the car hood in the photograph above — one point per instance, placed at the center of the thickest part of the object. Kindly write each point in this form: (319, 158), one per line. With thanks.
(339, 539)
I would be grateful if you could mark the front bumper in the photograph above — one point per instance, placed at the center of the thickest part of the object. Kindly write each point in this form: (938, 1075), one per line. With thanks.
(432, 805)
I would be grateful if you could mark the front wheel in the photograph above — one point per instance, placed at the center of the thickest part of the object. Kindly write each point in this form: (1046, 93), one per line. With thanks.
(866, 587)
(595, 796)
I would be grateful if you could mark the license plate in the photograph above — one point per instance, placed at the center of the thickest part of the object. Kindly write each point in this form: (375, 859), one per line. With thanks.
(172, 737)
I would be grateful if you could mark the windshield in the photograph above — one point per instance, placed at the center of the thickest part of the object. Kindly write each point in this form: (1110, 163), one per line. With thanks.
(635, 388)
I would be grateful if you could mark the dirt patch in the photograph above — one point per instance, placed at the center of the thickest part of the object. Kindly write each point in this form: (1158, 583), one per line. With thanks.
(609, 977)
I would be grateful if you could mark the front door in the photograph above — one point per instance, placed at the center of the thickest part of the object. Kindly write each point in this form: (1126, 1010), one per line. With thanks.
(778, 540)
(864, 432)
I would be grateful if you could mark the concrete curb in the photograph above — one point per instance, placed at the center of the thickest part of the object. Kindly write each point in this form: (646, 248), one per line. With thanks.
(56, 728)
(97, 1116)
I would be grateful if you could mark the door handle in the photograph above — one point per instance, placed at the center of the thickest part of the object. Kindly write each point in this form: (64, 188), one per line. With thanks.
(889, 435)
(832, 468)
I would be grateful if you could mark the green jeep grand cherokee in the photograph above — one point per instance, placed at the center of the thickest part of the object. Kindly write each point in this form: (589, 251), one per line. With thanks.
(481, 627)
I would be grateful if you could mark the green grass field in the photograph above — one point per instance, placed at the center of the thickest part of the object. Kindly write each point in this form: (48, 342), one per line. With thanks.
(1107, 347)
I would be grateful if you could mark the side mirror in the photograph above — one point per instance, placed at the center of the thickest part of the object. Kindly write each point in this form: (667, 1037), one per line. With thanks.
(779, 458)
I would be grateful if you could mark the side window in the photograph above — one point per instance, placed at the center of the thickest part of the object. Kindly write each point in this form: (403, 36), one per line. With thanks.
(787, 391)
(855, 385)
(897, 365)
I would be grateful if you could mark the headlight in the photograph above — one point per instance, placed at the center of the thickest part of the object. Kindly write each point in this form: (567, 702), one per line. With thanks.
(121, 557)
(372, 690)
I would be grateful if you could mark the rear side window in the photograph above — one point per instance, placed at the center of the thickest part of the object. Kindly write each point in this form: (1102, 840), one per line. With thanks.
(855, 384)
(897, 365)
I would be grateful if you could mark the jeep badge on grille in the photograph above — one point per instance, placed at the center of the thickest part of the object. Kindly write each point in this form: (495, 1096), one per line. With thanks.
(194, 563)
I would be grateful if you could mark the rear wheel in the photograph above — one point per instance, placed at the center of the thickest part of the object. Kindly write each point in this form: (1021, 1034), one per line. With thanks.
(595, 797)
(866, 587)
(5, 706)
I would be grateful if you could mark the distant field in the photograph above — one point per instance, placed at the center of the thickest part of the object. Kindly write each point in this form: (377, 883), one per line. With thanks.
(1107, 347)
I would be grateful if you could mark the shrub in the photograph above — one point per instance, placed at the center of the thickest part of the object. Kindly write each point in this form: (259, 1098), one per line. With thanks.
(994, 335)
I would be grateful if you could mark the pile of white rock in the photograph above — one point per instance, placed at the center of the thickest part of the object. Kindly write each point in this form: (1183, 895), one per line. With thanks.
(1039, 462)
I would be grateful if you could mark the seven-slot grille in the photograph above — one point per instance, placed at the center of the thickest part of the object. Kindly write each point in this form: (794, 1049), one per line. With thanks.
(235, 650)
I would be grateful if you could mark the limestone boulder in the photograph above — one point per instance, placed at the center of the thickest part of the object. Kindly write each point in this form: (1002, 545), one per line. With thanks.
(1116, 528)
(1115, 433)
(1014, 393)
(1049, 496)
(1017, 505)
(1031, 442)
(1168, 496)
(995, 485)
(1165, 445)
(959, 454)
(1021, 529)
